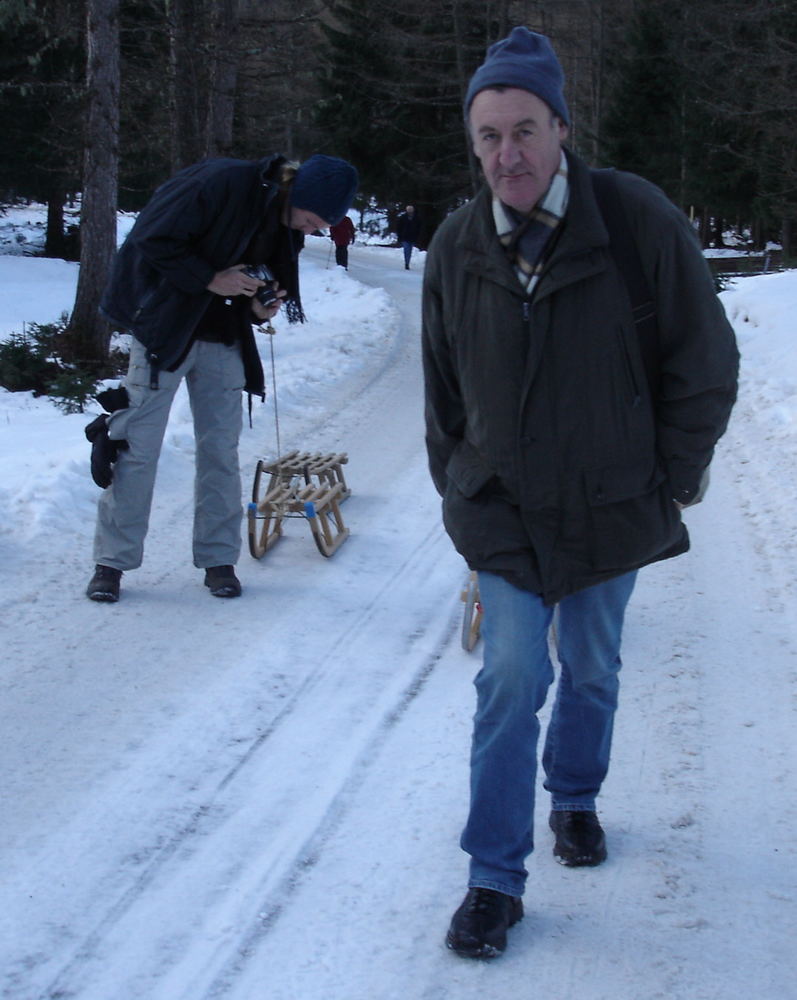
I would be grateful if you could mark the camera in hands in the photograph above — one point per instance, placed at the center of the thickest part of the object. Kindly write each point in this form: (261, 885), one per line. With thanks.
(267, 295)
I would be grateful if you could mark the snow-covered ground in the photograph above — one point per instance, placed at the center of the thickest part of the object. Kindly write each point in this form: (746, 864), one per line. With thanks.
(262, 798)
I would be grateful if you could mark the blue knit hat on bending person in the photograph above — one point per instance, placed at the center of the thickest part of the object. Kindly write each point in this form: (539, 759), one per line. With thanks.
(525, 60)
(325, 186)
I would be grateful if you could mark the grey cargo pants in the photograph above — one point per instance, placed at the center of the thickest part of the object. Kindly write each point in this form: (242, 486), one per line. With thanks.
(215, 378)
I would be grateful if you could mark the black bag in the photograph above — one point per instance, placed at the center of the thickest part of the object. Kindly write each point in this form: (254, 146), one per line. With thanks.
(622, 247)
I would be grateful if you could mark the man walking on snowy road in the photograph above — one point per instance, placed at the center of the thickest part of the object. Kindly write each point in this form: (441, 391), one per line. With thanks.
(186, 285)
(565, 438)
(408, 226)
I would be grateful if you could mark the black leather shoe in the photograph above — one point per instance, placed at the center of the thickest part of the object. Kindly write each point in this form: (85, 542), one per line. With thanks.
(579, 838)
(222, 581)
(478, 928)
(104, 585)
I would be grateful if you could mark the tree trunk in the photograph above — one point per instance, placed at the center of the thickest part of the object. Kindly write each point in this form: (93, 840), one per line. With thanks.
(54, 244)
(705, 228)
(787, 238)
(462, 80)
(757, 233)
(190, 81)
(224, 78)
(88, 334)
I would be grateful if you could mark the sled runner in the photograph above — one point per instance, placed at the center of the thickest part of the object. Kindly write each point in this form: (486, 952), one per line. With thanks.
(472, 616)
(299, 485)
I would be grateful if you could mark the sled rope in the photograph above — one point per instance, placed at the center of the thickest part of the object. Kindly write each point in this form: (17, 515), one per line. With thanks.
(269, 329)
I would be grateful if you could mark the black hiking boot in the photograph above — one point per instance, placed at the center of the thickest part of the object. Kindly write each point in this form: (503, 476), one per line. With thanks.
(222, 581)
(104, 585)
(580, 841)
(478, 928)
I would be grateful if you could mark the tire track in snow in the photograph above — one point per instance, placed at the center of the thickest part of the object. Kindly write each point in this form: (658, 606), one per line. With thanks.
(284, 862)
(280, 897)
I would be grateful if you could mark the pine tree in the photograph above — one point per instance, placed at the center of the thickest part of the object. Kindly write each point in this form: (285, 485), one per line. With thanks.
(394, 83)
(750, 64)
(41, 66)
(645, 126)
(146, 121)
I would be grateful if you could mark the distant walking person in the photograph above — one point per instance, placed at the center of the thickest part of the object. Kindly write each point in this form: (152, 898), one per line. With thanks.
(407, 229)
(342, 235)
(185, 285)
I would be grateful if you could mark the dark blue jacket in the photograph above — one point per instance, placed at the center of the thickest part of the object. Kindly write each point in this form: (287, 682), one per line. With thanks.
(408, 228)
(196, 224)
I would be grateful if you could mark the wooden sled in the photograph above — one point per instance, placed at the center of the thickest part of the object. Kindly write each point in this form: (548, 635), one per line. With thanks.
(472, 615)
(300, 484)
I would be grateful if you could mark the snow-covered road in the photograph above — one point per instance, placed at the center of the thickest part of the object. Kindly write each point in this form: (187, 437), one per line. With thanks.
(262, 798)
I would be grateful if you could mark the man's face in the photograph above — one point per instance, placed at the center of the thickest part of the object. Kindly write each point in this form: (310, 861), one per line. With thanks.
(306, 222)
(517, 139)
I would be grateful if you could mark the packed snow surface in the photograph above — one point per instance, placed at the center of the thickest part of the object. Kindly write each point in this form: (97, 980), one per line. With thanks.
(262, 798)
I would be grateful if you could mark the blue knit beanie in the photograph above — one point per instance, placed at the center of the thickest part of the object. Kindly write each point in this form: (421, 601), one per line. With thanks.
(525, 60)
(325, 186)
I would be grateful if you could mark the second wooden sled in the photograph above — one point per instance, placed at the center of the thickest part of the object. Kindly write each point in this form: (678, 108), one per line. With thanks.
(472, 615)
(303, 485)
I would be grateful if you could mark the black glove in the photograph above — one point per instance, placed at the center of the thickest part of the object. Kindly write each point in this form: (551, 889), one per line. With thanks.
(112, 400)
(104, 451)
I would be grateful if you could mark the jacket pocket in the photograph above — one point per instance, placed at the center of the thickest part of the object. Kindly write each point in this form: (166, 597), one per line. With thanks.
(633, 518)
(482, 523)
(152, 300)
(467, 471)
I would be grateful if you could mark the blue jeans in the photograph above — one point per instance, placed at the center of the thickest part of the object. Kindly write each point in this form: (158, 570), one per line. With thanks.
(511, 689)
(407, 247)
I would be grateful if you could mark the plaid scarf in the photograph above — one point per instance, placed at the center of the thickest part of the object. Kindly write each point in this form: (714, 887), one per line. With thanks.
(527, 238)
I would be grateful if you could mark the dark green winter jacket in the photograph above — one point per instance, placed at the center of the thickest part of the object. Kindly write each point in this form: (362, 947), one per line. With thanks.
(558, 469)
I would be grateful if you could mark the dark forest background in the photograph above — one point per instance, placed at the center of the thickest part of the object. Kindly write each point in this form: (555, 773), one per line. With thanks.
(107, 98)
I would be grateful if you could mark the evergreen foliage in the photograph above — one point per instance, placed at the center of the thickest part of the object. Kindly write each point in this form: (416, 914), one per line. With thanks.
(25, 362)
(32, 361)
(144, 131)
(696, 95)
(702, 104)
(42, 59)
(392, 91)
(644, 126)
